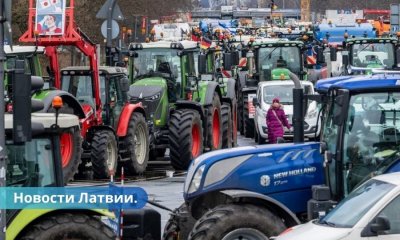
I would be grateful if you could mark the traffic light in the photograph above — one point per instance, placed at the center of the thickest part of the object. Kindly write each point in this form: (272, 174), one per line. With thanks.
(22, 103)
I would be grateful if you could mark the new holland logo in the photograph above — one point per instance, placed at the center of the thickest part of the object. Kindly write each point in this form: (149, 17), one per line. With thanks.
(265, 180)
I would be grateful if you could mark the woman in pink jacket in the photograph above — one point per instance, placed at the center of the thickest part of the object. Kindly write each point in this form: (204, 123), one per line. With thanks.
(276, 121)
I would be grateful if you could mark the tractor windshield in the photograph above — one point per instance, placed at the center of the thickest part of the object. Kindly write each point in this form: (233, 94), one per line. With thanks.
(158, 60)
(30, 165)
(270, 58)
(372, 136)
(80, 86)
(372, 55)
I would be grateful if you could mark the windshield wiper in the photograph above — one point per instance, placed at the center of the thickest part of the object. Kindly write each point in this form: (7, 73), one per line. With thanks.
(364, 48)
(270, 54)
(324, 222)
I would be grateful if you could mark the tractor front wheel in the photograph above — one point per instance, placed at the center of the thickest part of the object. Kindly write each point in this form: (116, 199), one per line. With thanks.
(229, 222)
(214, 123)
(226, 126)
(137, 145)
(75, 226)
(104, 154)
(185, 138)
(71, 150)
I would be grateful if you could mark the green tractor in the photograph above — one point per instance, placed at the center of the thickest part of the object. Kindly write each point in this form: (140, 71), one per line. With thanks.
(267, 59)
(365, 55)
(184, 111)
(221, 66)
(70, 138)
(33, 145)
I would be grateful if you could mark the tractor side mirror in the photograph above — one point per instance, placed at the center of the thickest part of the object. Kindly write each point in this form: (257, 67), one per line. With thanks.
(255, 102)
(202, 64)
(133, 54)
(320, 55)
(398, 57)
(345, 59)
(235, 58)
(341, 105)
(124, 84)
(227, 61)
(333, 53)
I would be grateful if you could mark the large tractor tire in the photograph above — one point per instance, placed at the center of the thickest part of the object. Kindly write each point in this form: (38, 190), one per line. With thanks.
(214, 124)
(75, 226)
(234, 117)
(71, 147)
(104, 154)
(226, 126)
(185, 138)
(179, 224)
(248, 123)
(234, 221)
(240, 114)
(71, 150)
(136, 144)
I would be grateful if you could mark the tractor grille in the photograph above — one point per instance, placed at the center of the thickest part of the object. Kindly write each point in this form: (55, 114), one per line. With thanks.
(150, 106)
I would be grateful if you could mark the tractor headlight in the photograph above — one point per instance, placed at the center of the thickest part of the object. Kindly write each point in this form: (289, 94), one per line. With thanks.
(196, 180)
(154, 97)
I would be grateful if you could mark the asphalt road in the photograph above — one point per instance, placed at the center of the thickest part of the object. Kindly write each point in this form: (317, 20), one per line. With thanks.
(169, 191)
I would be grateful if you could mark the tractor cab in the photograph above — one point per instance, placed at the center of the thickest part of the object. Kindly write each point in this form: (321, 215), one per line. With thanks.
(171, 61)
(113, 89)
(272, 58)
(362, 55)
(361, 132)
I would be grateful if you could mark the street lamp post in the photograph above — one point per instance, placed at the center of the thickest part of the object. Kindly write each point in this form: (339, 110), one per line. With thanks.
(110, 12)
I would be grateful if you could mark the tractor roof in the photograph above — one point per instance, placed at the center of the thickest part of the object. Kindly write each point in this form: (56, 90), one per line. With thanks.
(360, 83)
(22, 49)
(47, 120)
(278, 43)
(102, 69)
(182, 45)
(371, 40)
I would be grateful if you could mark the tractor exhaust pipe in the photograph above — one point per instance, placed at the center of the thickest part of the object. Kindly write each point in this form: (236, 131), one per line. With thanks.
(298, 114)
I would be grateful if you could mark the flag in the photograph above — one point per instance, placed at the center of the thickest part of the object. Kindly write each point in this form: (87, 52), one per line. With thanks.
(44, 4)
(205, 43)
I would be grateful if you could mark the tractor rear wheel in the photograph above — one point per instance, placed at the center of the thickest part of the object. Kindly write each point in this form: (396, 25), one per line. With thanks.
(229, 222)
(136, 145)
(234, 113)
(214, 124)
(71, 150)
(104, 154)
(185, 138)
(71, 146)
(75, 226)
(248, 123)
(226, 126)
(240, 115)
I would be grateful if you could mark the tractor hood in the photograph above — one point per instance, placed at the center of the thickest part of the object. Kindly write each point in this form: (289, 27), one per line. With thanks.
(285, 172)
(146, 88)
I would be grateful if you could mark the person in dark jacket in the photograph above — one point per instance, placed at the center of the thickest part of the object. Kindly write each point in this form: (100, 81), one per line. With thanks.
(276, 121)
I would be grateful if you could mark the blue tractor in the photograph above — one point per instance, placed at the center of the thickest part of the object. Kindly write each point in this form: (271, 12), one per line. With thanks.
(256, 192)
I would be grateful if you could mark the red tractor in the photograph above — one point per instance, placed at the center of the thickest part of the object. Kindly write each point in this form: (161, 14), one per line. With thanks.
(104, 143)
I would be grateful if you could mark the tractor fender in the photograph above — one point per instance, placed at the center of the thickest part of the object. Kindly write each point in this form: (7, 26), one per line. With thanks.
(212, 87)
(125, 117)
(27, 216)
(184, 104)
(67, 98)
(231, 88)
(263, 200)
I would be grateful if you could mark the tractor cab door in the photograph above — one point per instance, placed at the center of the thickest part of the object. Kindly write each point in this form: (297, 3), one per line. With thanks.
(362, 136)
(112, 97)
(81, 87)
